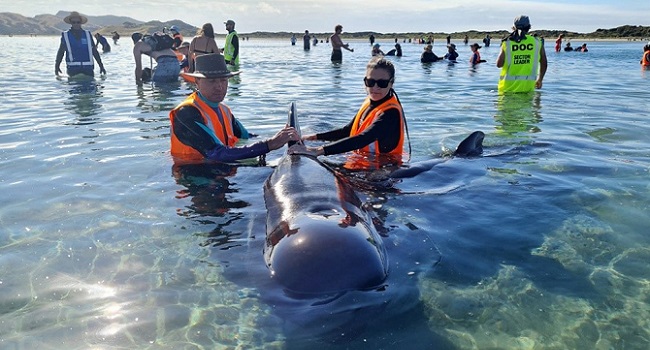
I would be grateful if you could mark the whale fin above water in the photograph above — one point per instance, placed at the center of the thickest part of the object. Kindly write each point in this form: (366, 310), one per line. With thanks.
(293, 121)
(471, 146)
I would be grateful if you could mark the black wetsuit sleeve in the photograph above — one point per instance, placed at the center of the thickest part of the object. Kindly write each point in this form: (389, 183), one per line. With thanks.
(188, 130)
(336, 134)
(382, 129)
(235, 44)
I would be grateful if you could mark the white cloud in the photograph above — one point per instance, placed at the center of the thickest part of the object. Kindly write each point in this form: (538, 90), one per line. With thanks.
(376, 15)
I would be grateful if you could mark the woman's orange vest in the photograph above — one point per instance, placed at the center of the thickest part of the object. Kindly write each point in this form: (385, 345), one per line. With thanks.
(645, 61)
(359, 125)
(219, 122)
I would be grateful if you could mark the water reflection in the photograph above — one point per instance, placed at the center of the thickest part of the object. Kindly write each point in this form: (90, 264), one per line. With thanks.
(157, 97)
(337, 75)
(645, 72)
(427, 67)
(82, 101)
(208, 188)
(518, 113)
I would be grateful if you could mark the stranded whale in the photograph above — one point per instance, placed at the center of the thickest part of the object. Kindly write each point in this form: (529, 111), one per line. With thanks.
(319, 238)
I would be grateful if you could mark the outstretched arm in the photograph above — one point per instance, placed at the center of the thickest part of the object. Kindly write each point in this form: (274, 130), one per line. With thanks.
(59, 58)
(543, 65)
(137, 55)
(98, 58)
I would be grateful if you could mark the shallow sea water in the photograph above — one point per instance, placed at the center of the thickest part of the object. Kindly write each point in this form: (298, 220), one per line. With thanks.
(541, 243)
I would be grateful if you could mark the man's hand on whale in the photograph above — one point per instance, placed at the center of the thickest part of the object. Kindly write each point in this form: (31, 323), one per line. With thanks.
(283, 136)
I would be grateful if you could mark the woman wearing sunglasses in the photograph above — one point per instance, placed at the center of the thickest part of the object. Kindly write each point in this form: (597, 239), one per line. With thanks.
(379, 125)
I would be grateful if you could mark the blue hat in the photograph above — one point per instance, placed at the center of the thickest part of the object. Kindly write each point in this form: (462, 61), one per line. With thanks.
(174, 28)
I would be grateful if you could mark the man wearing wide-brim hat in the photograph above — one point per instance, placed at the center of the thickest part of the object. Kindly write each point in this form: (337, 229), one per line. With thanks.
(451, 54)
(79, 49)
(203, 129)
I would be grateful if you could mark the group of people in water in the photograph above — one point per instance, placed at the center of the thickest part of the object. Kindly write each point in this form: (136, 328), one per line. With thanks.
(204, 129)
(168, 48)
(568, 47)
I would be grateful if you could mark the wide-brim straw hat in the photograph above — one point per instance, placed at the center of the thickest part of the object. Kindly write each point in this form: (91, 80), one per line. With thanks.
(211, 65)
(75, 14)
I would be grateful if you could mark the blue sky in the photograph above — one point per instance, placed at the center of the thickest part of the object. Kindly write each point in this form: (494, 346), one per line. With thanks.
(362, 15)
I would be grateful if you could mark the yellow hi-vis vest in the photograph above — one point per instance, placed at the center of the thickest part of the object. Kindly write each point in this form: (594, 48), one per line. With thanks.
(229, 49)
(521, 65)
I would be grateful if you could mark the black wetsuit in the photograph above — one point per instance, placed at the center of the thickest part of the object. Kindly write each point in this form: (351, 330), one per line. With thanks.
(428, 57)
(382, 130)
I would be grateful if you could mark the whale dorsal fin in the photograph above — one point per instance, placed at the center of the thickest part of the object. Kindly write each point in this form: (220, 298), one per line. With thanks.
(293, 121)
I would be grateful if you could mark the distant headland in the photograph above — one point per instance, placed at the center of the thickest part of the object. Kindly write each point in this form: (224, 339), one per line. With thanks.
(16, 24)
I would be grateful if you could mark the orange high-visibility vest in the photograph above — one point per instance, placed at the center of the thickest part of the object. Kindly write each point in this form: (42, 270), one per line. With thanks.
(359, 125)
(645, 61)
(218, 121)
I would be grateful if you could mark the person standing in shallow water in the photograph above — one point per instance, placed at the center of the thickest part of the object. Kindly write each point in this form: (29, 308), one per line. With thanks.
(79, 49)
(645, 59)
(306, 41)
(475, 58)
(337, 44)
(522, 60)
(428, 56)
(203, 43)
(106, 47)
(167, 65)
(116, 37)
(558, 43)
(231, 47)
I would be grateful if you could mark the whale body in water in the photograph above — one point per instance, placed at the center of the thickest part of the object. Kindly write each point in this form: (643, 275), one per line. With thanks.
(319, 237)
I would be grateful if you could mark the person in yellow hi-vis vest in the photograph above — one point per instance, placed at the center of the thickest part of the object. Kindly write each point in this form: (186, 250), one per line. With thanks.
(231, 47)
(522, 60)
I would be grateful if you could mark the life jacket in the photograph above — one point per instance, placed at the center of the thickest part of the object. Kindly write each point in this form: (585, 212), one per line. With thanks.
(521, 66)
(79, 51)
(179, 56)
(645, 61)
(229, 48)
(218, 122)
(478, 57)
(358, 125)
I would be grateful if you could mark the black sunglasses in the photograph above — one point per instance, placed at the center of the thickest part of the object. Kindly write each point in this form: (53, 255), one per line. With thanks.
(383, 83)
